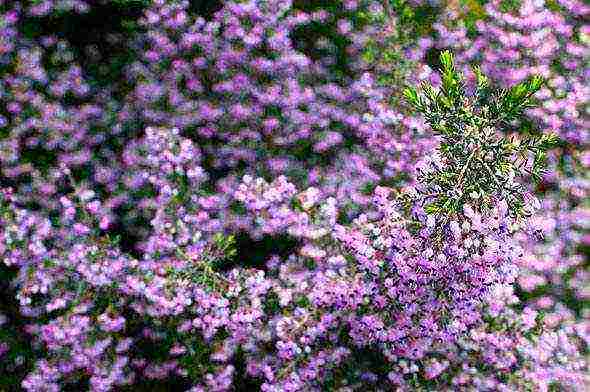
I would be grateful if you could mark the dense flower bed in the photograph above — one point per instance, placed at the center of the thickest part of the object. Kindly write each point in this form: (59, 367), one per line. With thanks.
(250, 195)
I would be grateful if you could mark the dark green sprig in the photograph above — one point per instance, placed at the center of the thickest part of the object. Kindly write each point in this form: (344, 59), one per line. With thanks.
(474, 160)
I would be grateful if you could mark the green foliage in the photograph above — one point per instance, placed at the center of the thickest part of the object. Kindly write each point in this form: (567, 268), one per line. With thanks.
(475, 160)
(224, 246)
(203, 271)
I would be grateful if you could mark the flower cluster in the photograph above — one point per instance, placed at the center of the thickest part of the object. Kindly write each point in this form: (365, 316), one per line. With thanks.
(246, 202)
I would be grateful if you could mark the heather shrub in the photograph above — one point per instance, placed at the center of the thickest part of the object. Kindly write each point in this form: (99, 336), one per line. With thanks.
(287, 112)
(251, 195)
(407, 277)
(511, 41)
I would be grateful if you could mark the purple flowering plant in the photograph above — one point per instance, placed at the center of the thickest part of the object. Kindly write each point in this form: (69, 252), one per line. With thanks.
(250, 206)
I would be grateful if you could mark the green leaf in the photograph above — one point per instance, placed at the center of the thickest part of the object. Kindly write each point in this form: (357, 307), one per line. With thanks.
(536, 83)
(482, 80)
(447, 61)
(412, 97)
(549, 141)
